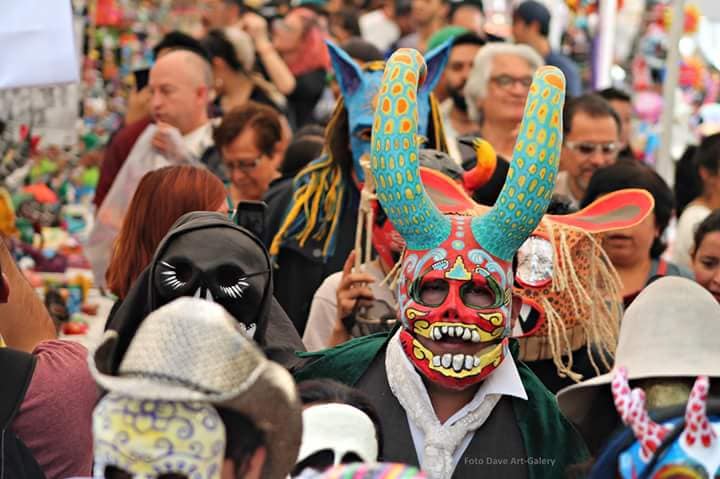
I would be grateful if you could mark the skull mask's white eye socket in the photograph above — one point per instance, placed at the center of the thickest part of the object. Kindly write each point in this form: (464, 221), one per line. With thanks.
(535, 263)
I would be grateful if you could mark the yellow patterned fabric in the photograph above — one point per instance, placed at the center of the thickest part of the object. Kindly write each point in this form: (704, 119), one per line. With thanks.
(150, 438)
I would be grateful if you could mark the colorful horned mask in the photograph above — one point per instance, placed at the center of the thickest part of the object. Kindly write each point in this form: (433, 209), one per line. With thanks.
(455, 287)
(150, 439)
(660, 452)
(360, 87)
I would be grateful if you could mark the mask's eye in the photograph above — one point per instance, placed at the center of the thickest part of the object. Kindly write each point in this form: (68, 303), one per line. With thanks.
(176, 274)
(112, 472)
(364, 135)
(433, 292)
(477, 295)
(534, 263)
(232, 281)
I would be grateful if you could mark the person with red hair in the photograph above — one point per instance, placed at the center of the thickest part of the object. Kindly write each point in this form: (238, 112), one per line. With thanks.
(161, 198)
(299, 41)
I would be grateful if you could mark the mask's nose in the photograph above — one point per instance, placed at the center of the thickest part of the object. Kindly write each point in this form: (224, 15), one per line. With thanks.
(203, 292)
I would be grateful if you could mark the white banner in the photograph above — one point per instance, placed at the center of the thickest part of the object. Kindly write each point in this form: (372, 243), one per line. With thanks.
(709, 9)
(37, 44)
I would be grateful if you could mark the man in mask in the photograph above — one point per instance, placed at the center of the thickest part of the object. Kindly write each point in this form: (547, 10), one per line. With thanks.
(454, 110)
(205, 255)
(451, 396)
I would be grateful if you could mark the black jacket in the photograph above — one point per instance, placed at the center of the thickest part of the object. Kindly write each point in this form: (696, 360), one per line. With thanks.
(275, 333)
(299, 270)
(16, 460)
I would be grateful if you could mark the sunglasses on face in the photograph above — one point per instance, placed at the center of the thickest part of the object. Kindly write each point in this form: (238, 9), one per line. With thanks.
(507, 81)
(587, 148)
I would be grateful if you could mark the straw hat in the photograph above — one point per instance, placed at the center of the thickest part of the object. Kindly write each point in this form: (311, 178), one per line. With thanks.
(192, 350)
(670, 330)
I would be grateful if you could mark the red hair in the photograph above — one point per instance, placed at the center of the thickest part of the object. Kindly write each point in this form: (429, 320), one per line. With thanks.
(161, 198)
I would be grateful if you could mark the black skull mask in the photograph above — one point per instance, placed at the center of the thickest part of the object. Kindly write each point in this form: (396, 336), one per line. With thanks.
(224, 265)
(206, 255)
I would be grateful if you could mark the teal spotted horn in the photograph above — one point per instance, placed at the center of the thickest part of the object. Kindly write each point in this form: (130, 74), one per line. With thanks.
(531, 178)
(394, 155)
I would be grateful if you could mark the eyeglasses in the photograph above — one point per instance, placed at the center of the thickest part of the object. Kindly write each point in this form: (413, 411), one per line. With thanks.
(587, 148)
(244, 166)
(507, 81)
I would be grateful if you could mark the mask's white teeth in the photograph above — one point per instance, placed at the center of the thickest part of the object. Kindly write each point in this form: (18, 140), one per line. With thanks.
(460, 331)
(197, 293)
(209, 296)
(446, 360)
(458, 361)
(469, 360)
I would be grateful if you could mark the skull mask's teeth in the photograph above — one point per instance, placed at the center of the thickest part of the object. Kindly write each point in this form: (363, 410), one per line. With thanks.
(455, 331)
(456, 362)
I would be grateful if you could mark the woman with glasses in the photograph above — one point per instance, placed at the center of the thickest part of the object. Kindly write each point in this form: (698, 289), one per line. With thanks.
(496, 90)
(636, 252)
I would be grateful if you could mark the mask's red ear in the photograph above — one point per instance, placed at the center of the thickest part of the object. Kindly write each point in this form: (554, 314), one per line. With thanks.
(445, 192)
(614, 211)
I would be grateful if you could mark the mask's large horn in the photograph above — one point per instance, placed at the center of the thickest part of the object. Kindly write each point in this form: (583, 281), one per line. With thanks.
(531, 178)
(630, 405)
(698, 430)
(394, 160)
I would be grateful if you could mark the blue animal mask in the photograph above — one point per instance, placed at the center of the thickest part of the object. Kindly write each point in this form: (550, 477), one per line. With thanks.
(360, 89)
(694, 453)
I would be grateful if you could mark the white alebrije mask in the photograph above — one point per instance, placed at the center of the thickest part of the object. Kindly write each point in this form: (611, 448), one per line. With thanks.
(340, 428)
(149, 438)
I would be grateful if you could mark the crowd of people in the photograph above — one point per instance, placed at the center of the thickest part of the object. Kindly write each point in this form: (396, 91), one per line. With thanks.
(377, 243)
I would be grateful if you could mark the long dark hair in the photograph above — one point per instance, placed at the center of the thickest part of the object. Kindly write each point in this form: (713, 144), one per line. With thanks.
(218, 45)
(688, 182)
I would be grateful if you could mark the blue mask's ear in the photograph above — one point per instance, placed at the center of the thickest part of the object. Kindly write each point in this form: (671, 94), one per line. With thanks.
(435, 61)
(347, 72)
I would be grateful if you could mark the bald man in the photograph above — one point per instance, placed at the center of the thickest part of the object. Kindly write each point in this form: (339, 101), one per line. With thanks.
(180, 84)
(122, 142)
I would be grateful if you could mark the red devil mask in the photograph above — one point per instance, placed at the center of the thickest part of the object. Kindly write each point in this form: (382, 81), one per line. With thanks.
(455, 286)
